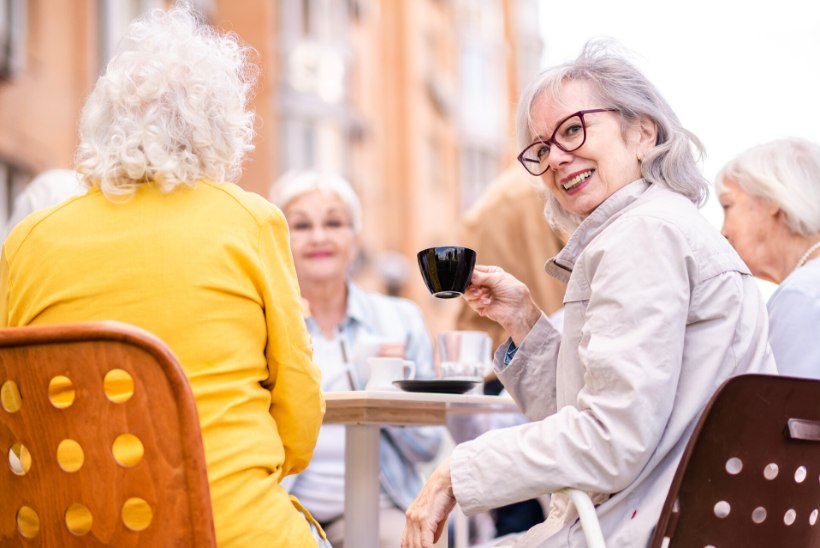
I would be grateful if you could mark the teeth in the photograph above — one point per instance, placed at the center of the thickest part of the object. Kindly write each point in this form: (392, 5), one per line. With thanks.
(578, 179)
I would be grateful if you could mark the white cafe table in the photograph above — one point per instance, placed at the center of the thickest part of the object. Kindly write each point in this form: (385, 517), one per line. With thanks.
(362, 413)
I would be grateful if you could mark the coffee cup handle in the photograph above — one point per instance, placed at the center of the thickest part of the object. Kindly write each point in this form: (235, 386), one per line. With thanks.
(409, 369)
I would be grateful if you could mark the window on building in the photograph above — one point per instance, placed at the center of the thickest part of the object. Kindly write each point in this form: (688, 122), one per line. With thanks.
(12, 37)
(483, 102)
(318, 116)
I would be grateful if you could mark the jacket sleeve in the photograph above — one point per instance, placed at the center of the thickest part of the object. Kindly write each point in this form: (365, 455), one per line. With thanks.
(530, 377)
(633, 305)
(297, 404)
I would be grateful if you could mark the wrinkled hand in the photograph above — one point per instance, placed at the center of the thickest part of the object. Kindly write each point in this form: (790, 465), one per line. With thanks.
(427, 516)
(502, 298)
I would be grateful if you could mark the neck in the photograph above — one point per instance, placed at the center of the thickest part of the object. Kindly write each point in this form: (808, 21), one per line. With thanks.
(812, 251)
(784, 250)
(328, 304)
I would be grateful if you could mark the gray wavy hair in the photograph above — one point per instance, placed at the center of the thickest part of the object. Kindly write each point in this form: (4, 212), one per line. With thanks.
(617, 83)
(171, 107)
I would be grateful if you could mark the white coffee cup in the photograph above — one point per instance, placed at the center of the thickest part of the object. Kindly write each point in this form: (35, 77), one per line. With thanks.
(464, 355)
(367, 346)
(383, 371)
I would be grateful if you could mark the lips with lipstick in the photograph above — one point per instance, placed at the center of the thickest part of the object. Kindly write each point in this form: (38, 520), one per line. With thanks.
(577, 179)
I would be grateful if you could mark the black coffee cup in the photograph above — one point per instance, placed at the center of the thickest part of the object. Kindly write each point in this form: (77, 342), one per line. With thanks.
(447, 269)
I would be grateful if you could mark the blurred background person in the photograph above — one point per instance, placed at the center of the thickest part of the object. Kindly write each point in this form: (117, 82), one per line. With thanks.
(161, 241)
(659, 311)
(770, 196)
(324, 216)
(49, 188)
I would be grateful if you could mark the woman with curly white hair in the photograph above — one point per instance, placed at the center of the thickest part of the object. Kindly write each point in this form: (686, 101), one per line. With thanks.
(164, 240)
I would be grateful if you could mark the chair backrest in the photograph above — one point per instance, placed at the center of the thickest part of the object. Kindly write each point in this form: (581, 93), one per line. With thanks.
(102, 440)
(750, 475)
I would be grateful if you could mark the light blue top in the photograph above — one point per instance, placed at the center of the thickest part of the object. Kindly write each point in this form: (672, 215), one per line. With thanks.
(321, 486)
(794, 322)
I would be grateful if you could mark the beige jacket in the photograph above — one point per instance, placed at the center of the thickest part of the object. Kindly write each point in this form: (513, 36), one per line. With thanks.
(659, 311)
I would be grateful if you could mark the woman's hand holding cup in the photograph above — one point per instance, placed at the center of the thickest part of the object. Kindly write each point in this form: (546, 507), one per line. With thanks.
(501, 297)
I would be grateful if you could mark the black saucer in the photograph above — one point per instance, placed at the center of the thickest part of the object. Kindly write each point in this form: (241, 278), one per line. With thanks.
(445, 386)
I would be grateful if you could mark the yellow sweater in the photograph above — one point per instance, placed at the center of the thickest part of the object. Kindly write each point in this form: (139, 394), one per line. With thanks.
(209, 271)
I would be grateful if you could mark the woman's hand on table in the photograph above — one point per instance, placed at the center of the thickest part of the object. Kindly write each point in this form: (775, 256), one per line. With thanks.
(501, 297)
(427, 515)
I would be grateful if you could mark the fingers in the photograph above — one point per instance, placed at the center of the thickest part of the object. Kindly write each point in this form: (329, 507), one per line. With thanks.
(487, 275)
(487, 268)
(427, 514)
(416, 534)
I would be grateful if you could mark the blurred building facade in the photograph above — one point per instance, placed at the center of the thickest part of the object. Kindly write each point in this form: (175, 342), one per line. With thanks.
(411, 100)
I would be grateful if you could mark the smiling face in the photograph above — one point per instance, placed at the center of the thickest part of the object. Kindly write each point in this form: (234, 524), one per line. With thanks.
(608, 160)
(323, 241)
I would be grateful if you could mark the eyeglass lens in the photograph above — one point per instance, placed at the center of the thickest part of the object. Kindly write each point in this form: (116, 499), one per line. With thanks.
(569, 136)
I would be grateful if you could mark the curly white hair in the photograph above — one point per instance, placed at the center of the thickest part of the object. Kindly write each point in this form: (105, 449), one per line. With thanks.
(171, 107)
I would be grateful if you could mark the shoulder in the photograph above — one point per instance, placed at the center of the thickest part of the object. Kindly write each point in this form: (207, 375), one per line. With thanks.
(30, 224)
(670, 217)
(507, 196)
(800, 287)
(245, 203)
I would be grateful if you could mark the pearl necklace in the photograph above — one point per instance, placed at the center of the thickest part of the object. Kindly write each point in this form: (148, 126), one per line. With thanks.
(814, 247)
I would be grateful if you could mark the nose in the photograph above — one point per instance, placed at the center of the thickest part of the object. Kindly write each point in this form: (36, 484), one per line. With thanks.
(557, 157)
(725, 233)
(319, 233)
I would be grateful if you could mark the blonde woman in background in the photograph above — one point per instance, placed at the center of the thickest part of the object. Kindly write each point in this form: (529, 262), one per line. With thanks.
(771, 204)
(324, 216)
(164, 241)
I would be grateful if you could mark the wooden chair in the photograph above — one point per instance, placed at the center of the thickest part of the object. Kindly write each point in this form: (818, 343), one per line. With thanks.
(750, 475)
(102, 440)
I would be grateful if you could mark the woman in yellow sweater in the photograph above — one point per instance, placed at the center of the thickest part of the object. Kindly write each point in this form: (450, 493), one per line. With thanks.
(159, 242)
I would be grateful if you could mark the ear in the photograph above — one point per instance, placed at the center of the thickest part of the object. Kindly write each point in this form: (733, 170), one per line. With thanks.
(773, 209)
(647, 136)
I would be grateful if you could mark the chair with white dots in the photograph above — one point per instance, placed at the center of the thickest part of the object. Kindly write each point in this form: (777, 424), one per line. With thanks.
(750, 475)
(101, 436)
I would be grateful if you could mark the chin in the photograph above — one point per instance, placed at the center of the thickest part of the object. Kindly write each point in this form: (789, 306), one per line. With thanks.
(325, 275)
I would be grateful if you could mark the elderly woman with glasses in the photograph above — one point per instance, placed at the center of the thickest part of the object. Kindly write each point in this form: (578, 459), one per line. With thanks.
(344, 320)
(771, 204)
(659, 311)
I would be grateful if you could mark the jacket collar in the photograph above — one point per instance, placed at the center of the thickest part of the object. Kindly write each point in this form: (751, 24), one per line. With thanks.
(560, 266)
